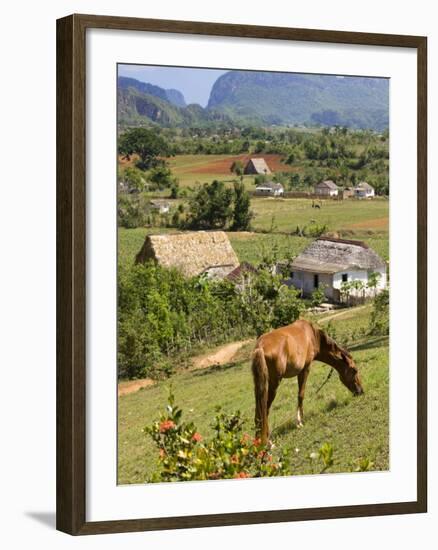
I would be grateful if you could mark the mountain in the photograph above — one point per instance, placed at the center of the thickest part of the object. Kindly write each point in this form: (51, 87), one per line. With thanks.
(172, 96)
(285, 98)
(262, 98)
(140, 103)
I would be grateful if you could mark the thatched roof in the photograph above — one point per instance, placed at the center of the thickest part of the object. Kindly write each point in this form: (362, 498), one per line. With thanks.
(192, 253)
(257, 166)
(330, 255)
(328, 184)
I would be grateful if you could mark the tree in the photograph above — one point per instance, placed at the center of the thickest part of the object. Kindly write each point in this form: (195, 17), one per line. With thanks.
(237, 168)
(373, 281)
(210, 206)
(132, 178)
(145, 143)
(242, 213)
(162, 177)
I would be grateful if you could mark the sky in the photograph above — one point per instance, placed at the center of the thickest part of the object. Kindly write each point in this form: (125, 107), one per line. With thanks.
(195, 84)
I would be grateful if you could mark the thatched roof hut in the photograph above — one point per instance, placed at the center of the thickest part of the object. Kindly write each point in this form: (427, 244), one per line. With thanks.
(330, 255)
(257, 166)
(192, 253)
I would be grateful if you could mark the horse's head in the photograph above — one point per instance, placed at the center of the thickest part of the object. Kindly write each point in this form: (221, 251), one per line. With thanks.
(339, 358)
(349, 374)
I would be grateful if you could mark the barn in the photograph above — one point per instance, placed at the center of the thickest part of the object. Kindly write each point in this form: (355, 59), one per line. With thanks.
(327, 188)
(257, 166)
(193, 253)
(330, 262)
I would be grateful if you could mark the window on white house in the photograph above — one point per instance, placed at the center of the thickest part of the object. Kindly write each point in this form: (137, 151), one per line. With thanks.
(316, 280)
(292, 274)
(345, 277)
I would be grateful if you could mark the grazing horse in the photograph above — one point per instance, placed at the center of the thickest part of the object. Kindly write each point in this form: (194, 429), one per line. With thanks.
(287, 352)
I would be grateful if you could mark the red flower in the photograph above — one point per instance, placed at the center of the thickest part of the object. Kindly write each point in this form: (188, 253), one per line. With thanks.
(197, 437)
(245, 438)
(242, 475)
(162, 453)
(261, 454)
(257, 441)
(166, 425)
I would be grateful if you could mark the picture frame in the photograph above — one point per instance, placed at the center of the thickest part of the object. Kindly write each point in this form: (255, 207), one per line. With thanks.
(72, 272)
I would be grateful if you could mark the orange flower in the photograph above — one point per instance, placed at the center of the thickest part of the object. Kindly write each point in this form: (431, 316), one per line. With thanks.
(234, 459)
(257, 441)
(197, 437)
(261, 454)
(242, 475)
(166, 425)
(162, 453)
(245, 438)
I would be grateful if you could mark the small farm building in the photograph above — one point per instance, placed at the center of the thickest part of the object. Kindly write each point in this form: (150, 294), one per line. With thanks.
(347, 192)
(257, 166)
(331, 262)
(270, 189)
(193, 253)
(327, 188)
(161, 206)
(364, 190)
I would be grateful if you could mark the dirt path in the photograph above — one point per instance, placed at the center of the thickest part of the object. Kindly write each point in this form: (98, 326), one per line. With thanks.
(340, 313)
(132, 386)
(220, 356)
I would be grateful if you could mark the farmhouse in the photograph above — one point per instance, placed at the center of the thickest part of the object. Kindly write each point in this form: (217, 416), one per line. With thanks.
(193, 253)
(330, 262)
(269, 189)
(161, 206)
(257, 166)
(326, 188)
(363, 190)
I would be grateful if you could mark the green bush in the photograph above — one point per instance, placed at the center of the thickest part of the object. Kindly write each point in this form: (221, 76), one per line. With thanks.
(185, 455)
(161, 314)
(379, 320)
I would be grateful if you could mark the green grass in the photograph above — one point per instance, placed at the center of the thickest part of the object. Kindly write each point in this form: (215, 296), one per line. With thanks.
(336, 214)
(356, 427)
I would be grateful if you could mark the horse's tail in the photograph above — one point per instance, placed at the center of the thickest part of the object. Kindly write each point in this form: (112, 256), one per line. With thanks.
(261, 384)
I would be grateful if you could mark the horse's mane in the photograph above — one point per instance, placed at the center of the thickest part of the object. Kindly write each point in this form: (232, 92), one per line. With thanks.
(330, 341)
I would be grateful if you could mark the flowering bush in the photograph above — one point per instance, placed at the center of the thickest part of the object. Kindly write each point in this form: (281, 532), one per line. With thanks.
(184, 454)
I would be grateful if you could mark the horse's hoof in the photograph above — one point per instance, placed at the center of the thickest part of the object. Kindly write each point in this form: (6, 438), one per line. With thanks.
(300, 424)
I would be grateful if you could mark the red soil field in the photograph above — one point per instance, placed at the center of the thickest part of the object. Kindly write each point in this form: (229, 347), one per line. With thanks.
(223, 166)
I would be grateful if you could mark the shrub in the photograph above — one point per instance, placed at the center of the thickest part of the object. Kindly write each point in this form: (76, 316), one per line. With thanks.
(379, 321)
(161, 313)
(185, 455)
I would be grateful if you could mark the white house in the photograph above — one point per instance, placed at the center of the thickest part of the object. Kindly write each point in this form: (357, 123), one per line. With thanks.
(330, 262)
(363, 190)
(327, 188)
(270, 189)
(163, 207)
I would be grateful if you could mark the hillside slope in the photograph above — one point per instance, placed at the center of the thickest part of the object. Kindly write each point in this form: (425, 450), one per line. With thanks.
(284, 98)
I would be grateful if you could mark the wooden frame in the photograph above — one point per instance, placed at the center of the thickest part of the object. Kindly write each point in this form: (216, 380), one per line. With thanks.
(71, 270)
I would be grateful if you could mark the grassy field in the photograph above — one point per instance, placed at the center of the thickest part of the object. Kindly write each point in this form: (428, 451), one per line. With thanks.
(363, 220)
(356, 427)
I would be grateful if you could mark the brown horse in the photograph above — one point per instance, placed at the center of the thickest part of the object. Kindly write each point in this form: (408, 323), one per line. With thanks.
(287, 352)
